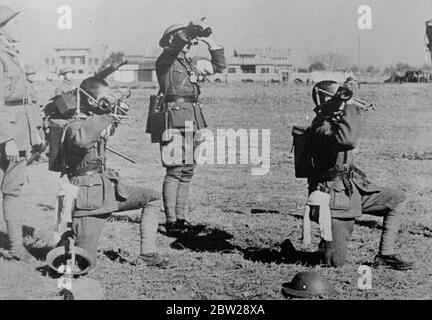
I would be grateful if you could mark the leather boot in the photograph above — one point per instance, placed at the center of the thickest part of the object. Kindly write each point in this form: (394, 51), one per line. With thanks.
(13, 217)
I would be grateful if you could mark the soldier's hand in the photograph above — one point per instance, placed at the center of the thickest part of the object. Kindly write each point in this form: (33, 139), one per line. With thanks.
(11, 150)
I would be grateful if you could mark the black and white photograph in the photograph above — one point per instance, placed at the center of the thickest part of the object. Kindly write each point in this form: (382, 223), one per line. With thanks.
(230, 152)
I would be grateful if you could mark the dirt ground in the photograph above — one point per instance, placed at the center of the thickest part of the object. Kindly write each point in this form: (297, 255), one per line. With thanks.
(234, 253)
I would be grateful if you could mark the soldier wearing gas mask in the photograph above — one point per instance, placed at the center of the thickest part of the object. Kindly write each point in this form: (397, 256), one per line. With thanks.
(100, 189)
(334, 135)
(177, 76)
(18, 131)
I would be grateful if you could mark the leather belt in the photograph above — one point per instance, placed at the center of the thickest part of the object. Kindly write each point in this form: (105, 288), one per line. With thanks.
(174, 98)
(87, 171)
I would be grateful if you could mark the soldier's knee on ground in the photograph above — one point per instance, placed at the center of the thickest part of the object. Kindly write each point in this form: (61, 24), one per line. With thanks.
(331, 255)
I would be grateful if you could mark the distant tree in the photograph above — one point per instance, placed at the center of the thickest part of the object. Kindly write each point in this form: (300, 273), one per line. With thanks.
(303, 70)
(331, 61)
(402, 67)
(372, 69)
(317, 66)
(354, 69)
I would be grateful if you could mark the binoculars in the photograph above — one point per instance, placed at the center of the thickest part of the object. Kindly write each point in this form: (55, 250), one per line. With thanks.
(196, 31)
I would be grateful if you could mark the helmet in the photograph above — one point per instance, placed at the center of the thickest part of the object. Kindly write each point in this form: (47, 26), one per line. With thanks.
(64, 71)
(175, 27)
(6, 13)
(308, 284)
(59, 256)
(319, 90)
(29, 70)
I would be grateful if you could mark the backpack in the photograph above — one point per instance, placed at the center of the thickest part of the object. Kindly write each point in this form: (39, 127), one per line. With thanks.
(303, 164)
(56, 156)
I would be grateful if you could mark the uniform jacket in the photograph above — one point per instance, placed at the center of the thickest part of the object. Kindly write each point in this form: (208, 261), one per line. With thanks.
(173, 77)
(332, 143)
(65, 86)
(18, 115)
(84, 147)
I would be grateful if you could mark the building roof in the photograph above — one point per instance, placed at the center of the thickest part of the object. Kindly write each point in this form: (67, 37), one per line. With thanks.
(144, 63)
(264, 56)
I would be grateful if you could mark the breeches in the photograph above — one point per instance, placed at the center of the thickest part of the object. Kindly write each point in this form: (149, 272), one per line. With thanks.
(87, 229)
(334, 252)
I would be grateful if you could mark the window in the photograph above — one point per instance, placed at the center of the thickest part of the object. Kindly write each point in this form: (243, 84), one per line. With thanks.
(90, 61)
(74, 71)
(47, 61)
(231, 70)
(96, 61)
(53, 61)
(80, 71)
(81, 60)
(265, 70)
(248, 68)
(72, 60)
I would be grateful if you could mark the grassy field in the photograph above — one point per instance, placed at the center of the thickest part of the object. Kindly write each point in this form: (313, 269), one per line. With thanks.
(236, 253)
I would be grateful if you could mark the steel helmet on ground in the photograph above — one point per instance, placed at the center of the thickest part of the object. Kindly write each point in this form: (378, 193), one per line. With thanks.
(172, 28)
(63, 71)
(308, 284)
(6, 14)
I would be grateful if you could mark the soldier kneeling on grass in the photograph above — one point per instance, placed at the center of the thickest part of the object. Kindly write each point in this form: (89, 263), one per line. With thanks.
(333, 177)
(100, 189)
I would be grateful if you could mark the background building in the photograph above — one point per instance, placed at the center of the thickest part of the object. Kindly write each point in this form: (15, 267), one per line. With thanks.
(84, 61)
(256, 65)
(139, 68)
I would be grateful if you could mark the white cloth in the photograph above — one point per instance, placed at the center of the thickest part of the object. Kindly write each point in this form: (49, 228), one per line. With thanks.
(322, 200)
(64, 207)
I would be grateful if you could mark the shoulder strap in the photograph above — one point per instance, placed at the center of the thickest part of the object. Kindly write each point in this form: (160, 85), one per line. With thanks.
(4, 64)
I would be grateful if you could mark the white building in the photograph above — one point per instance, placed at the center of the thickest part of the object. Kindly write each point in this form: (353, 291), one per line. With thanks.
(83, 61)
(256, 65)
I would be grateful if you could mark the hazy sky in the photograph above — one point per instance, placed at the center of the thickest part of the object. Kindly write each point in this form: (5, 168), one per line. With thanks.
(307, 27)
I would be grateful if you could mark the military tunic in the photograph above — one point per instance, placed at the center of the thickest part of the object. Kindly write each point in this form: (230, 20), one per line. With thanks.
(20, 118)
(332, 145)
(101, 190)
(64, 87)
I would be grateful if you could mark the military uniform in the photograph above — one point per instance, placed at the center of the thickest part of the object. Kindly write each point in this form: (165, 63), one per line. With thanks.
(66, 86)
(177, 77)
(351, 193)
(101, 191)
(21, 120)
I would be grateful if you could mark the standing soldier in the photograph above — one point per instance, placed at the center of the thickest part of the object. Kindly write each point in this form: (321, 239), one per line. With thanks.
(332, 139)
(100, 190)
(14, 96)
(67, 85)
(177, 76)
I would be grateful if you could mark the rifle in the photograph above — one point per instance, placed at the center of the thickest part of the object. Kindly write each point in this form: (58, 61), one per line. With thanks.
(105, 72)
(36, 152)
